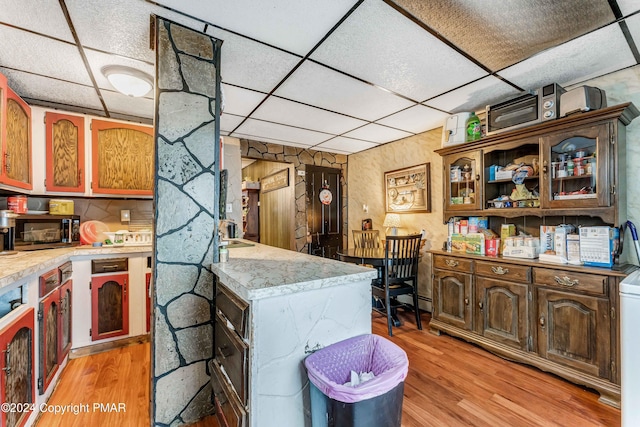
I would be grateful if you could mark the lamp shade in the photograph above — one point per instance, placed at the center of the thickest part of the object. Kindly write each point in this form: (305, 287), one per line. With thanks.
(391, 220)
(128, 81)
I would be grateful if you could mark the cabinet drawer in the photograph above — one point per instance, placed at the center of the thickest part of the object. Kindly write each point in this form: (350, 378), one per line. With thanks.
(233, 308)
(229, 410)
(499, 270)
(569, 280)
(452, 263)
(231, 352)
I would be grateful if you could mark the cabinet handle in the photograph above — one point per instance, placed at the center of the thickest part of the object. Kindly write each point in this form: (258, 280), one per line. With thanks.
(566, 281)
(451, 262)
(466, 301)
(481, 305)
(7, 165)
(542, 321)
(500, 270)
(544, 167)
(124, 287)
(7, 368)
(478, 177)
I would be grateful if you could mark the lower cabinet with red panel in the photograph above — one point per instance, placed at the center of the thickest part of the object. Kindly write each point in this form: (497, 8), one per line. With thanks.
(109, 298)
(17, 376)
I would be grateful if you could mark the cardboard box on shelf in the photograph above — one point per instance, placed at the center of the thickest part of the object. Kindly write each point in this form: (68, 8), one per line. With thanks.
(474, 243)
(506, 230)
(458, 243)
(478, 222)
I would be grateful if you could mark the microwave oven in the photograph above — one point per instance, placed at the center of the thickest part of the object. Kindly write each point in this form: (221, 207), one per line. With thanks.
(46, 231)
(535, 107)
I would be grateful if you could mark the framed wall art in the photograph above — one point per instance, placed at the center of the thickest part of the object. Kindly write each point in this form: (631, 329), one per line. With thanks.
(408, 190)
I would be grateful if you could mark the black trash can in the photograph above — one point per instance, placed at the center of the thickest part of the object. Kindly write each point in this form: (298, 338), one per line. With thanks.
(376, 402)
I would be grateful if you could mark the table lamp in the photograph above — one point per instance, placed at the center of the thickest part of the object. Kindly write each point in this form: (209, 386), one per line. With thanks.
(392, 221)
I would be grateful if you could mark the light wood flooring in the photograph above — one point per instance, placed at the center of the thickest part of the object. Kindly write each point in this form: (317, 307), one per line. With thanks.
(450, 383)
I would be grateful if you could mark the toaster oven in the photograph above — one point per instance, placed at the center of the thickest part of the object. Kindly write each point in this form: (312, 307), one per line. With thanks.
(528, 109)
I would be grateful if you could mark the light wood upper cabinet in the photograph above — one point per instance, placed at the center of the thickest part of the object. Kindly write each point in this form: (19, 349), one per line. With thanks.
(123, 158)
(65, 152)
(16, 147)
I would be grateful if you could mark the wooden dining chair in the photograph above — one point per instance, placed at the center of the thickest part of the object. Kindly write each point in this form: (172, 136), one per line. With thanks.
(399, 277)
(366, 238)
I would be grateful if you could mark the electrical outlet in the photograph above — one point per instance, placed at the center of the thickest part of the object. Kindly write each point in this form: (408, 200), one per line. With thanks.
(300, 173)
(229, 207)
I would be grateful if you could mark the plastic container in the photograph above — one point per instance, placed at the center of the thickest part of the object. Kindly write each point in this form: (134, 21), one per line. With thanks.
(374, 403)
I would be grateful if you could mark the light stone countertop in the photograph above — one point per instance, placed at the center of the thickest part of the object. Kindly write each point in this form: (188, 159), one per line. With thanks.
(24, 263)
(263, 271)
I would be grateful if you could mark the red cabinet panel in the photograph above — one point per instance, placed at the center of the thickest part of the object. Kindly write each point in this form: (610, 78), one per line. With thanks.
(109, 306)
(64, 324)
(48, 319)
(148, 299)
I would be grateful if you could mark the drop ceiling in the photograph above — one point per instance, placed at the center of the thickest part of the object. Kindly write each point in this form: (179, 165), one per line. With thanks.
(335, 75)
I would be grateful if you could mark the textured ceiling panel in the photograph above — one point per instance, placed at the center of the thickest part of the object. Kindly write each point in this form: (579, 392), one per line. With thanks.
(294, 114)
(317, 85)
(97, 60)
(41, 16)
(229, 122)
(345, 145)
(250, 64)
(633, 24)
(123, 104)
(475, 96)
(28, 52)
(592, 55)
(120, 26)
(282, 132)
(500, 33)
(415, 119)
(372, 44)
(377, 133)
(240, 101)
(293, 25)
(44, 88)
(260, 137)
(628, 6)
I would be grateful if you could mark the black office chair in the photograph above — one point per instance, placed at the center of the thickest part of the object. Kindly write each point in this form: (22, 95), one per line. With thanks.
(400, 277)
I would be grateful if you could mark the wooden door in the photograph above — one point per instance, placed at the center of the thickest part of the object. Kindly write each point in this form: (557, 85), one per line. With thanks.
(17, 375)
(65, 152)
(502, 311)
(574, 330)
(109, 306)
(17, 151)
(48, 318)
(462, 179)
(324, 210)
(251, 214)
(123, 158)
(65, 320)
(452, 298)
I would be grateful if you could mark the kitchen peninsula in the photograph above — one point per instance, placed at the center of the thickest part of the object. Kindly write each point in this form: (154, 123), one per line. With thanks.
(273, 308)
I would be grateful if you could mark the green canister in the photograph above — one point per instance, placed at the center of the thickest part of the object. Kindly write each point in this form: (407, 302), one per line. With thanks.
(474, 129)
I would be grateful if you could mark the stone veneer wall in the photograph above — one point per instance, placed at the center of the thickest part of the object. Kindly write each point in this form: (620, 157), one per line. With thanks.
(300, 158)
(186, 222)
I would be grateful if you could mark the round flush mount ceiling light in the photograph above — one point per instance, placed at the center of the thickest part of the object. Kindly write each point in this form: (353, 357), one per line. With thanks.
(127, 80)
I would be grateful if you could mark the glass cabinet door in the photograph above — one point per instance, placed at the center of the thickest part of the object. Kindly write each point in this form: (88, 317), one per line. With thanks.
(462, 181)
(576, 169)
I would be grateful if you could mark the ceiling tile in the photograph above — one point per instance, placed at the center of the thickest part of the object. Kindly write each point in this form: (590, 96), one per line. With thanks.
(372, 44)
(240, 101)
(627, 7)
(31, 53)
(123, 104)
(317, 85)
(262, 138)
(415, 119)
(120, 26)
(343, 145)
(97, 60)
(40, 16)
(250, 64)
(594, 54)
(474, 96)
(295, 114)
(293, 25)
(499, 33)
(633, 24)
(229, 122)
(57, 91)
(282, 132)
(377, 133)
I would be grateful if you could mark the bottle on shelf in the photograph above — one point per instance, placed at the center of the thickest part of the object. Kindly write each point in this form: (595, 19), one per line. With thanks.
(474, 128)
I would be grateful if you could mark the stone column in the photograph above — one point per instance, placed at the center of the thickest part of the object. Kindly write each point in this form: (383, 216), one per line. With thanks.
(186, 222)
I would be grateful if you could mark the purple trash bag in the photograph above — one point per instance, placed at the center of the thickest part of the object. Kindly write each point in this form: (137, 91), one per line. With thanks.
(330, 368)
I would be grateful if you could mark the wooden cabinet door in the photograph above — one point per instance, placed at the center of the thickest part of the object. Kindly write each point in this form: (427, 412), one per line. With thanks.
(578, 168)
(3, 119)
(65, 152)
(502, 312)
(65, 320)
(574, 330)
(109, 306)
(147, 279)
(123, 158)
(452, 298)
(462, 181)
(48, 318)
(16, 156)
(17, 376)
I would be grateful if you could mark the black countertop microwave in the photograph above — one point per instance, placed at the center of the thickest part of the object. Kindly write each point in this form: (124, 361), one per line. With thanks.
(46, 231)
